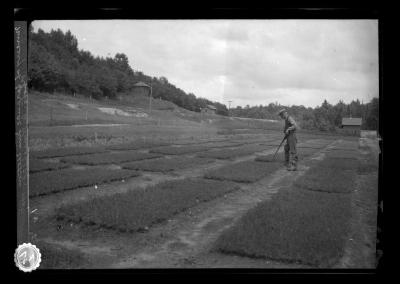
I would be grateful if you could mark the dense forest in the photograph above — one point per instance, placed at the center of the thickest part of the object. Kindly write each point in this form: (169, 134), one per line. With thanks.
(326, 117)
(57, 65)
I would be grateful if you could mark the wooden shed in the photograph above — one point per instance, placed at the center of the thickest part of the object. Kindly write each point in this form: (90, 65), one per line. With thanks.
(210, 109)
(351, 125)
(140, 90)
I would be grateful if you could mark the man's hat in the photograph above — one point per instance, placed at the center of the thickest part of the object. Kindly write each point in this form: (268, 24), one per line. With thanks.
(281, 111)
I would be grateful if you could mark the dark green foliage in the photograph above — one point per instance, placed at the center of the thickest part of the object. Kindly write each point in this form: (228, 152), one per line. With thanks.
(247, 171)
(55, 181)
(57, 65)
(165, 164)
(137, 209)
(36, 165)
(61, 152)
(109, 158)
(295, 226)
(325, 118)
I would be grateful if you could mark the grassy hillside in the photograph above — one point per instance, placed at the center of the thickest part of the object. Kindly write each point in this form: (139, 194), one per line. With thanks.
(59, 120)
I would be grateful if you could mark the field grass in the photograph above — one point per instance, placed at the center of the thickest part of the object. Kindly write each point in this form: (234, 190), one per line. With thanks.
(295, 226)
(109, 158)
(57, 257)
(170, 150)
(224, 154)
(62, 152)
(329, 175)
(340, 163)
(135, 145)
(65, 179)
(165, 164)
(301, 153)
(306, 152)
(280, 157)
(246, 172)
(370, 164)
(222, 144)
(36, 165)
(135, 210)
(342, 154)
(312, 145)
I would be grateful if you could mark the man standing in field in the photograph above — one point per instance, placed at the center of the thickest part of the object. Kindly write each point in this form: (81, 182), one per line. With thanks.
(291, 141)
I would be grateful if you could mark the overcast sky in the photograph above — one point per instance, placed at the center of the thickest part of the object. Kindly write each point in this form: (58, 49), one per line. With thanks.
(253, 62)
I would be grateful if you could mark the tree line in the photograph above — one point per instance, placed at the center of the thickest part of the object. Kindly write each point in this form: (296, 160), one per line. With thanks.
(326, 117)
(55, 64)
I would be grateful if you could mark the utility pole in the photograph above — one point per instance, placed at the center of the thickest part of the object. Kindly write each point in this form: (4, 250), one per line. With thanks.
(150, 99)
(229, 110)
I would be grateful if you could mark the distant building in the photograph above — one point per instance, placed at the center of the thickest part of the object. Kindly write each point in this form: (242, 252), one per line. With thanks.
(210, 109)
(351, 125)
(140, 90)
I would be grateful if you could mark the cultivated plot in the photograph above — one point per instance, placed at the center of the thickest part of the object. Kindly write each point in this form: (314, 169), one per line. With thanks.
(225, 154)
(334, 175)
(109, 158)
(65, 179)
(295, 226)
(136, 145)
(166, 164)
(61, 152)
(342, 154)
(174, 150)
(139, 209)
(36, 165)
(246, 172)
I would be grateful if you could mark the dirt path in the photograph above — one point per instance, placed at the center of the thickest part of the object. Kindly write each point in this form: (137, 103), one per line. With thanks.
(185, 240)
(360, 251)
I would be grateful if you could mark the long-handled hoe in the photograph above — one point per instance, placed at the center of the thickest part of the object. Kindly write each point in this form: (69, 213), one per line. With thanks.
(283, 140)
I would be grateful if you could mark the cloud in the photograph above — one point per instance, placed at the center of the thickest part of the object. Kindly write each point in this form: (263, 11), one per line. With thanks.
(248, 61)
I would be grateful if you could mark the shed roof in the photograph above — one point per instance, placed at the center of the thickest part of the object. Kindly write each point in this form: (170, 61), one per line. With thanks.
(355, 121)
(141, 84)
(211, 107)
